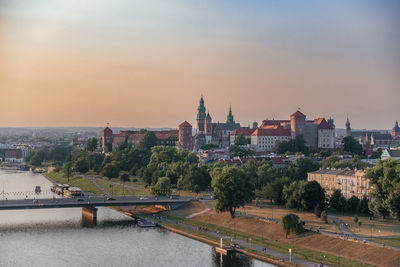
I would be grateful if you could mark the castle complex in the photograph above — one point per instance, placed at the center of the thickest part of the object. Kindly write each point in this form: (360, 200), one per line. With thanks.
(209, 132)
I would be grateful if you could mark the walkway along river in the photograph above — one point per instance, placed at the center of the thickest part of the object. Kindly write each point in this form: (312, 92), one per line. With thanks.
(55, 237)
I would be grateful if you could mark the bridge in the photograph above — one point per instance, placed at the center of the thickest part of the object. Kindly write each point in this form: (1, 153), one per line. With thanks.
(89, 204)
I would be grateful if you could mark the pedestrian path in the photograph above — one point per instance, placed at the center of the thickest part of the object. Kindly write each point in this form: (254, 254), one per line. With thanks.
(248, 244)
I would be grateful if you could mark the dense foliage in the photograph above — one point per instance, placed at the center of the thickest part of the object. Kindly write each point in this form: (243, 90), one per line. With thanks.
(291, 223)
(231, 188)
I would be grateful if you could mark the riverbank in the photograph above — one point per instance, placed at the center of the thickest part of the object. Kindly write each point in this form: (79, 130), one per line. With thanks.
(309, 246)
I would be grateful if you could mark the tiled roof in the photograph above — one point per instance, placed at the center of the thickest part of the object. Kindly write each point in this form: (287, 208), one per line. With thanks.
(298, 114)
(279, 131)
(185, 124)
(322, 124)
(245, 131)
(166, 134)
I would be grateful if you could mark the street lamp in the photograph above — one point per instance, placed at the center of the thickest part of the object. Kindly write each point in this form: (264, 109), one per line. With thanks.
(112, 189)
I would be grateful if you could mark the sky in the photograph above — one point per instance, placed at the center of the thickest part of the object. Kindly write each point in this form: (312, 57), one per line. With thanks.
(146, 63)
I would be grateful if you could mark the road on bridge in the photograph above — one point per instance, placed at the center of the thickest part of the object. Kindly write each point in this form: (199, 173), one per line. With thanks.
(96, 201)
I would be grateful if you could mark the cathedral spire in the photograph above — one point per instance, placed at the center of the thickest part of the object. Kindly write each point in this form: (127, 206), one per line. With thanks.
(229, 118)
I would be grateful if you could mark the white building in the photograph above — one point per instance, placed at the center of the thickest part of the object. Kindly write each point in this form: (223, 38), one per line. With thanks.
(265, 139)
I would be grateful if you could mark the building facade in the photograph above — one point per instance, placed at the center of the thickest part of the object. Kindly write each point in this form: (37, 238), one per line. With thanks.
(349, 182)
(185, 138)
(264, 139)
(110, 141)
(209, 132)
(317, 133)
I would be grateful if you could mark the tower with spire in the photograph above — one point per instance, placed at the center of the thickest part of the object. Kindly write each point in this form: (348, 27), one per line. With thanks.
(201, 116)
(229, 118)
(348, 128)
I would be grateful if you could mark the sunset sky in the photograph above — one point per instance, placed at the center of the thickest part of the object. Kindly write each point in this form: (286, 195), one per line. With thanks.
(146, 63)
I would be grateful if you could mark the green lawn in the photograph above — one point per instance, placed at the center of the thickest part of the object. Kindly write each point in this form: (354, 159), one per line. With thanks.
(394, 242)
(116, 189)
(83, 183)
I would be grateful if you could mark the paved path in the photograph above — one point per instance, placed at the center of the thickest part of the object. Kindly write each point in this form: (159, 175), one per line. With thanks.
(247, 243)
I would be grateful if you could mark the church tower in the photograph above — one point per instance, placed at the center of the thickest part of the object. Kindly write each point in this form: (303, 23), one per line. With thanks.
(396, 130)
(201, 116)
(229, 118)
(348, 129)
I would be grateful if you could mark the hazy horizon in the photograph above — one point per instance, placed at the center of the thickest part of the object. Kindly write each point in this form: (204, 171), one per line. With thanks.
(145, 64)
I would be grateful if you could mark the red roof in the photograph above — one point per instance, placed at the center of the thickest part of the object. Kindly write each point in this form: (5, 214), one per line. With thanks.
(278, 131)
(298, 114)
(322, 124)
(185, 124)
(245, 131)
(166, 134)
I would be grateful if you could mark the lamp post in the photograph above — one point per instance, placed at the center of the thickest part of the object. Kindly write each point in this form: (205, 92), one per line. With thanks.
(112, 189)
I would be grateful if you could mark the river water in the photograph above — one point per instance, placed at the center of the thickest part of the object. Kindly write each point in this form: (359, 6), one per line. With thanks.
(55, 237)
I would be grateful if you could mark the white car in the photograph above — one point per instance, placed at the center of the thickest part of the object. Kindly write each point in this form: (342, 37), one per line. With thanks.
(143, 198)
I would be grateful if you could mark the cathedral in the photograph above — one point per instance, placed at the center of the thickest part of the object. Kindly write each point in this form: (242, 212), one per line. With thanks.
(209, 132)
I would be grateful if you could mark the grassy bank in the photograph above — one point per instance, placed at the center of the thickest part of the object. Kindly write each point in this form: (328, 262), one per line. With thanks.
(115, 189)
(299, 252)
(83, 183)
(394, 242)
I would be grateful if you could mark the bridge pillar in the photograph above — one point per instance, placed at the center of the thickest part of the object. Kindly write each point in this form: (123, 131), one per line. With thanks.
(89, 216)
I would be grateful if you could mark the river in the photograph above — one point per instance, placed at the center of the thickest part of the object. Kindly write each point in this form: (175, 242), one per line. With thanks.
(55, 237)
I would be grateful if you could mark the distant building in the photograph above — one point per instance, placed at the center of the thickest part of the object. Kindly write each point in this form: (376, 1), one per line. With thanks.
(391, 154)
(110, 140)
(377, 139)
(12, 155)
(246, 132)
(264, 139)
(209, 132)
(348, 128)
(185, 138)
(350, 182)
(317, 133)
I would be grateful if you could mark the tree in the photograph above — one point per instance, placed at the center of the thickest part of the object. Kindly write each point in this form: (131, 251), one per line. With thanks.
(231, 189)
(124, 177)
(237, 151)
(162, 187)
(352, 204)
(385, 179)
(335, 162)
(149, 140)
(377, 154)
(351, 145)
(291, 223)
(195, 178)
(80, 164)
(298, 169)
(209, 147)
(91, 144)
(324, 216)
(274, 190)
(314, 195)
(337, 201)
(294, 195)
(35, 160)
(241, 140)
(111, 170)
(298, 144)
(362, 207)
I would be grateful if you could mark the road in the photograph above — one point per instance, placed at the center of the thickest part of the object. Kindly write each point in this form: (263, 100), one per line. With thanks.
(98, 201)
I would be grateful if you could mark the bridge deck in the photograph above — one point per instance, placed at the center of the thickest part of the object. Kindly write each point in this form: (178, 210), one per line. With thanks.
(96, 201)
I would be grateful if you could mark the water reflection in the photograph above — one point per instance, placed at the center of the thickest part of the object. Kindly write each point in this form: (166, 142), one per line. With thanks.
(233, 260)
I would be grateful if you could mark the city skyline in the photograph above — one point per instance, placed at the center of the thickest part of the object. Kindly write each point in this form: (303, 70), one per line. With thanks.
(145, 64)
